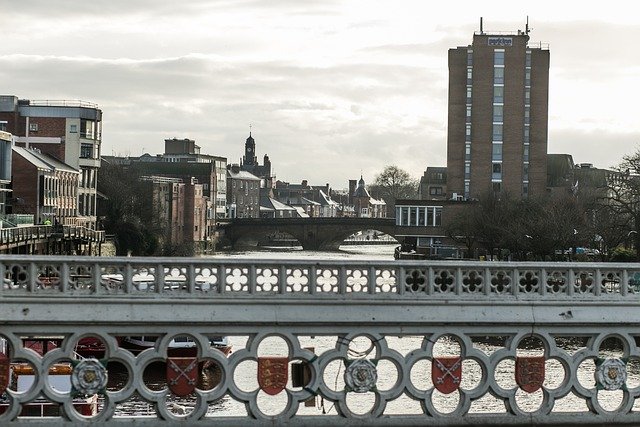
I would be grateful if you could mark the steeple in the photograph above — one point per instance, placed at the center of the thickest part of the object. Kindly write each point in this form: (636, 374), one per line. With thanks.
(250, 151)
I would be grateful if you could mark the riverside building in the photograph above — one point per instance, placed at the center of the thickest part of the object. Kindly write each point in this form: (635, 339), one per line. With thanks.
(498, 114)
(69, 131)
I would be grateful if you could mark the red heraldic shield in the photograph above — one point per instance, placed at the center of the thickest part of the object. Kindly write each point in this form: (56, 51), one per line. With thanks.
(4, 372)
(446, 373)
(530, 372)
(182, 375)
(273, 373)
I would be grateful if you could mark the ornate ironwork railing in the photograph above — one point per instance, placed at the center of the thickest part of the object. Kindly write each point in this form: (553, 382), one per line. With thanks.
(362, 343)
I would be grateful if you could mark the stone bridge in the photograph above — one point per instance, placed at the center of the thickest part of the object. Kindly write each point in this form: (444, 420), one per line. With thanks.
(312, 233)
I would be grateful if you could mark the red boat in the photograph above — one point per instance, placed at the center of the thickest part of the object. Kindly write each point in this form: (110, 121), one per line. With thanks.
(21, 377)
(182, 346)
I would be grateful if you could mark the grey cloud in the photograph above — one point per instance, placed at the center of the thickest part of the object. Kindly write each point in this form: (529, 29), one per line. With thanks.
(589, 49)
(109, 8)
(302, 116)
(603, 148)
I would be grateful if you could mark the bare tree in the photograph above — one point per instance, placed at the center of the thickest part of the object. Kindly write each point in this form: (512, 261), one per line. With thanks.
(392, 184)
(623, 195)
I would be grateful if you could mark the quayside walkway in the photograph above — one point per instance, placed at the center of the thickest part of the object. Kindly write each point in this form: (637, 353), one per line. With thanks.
(326, 342)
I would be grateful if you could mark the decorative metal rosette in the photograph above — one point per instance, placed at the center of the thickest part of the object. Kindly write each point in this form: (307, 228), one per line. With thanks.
(89, 376)
(361, 375)
(611, 374)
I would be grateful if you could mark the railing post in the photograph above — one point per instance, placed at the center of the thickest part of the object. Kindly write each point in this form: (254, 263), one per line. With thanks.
(313, 278)
(127, 278)
(342, 280)
(251, 278)
(282, 279)
(487, 281)
(371, 283)
(159, 279)
(222, 278)
(97, 278)
(191, 278)
(571, 279)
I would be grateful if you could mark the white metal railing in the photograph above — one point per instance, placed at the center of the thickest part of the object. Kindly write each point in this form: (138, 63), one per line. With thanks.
(380, 339)
(62, 103)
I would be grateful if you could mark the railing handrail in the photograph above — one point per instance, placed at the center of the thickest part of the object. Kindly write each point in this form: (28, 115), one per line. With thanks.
(62, 103)
(318, 279)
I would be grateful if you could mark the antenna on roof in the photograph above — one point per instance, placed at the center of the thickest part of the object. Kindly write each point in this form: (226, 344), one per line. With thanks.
(249, 129)
(526, 28)
(481, 32)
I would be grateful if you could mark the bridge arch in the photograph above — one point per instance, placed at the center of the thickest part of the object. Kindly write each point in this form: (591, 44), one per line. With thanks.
(312, 233)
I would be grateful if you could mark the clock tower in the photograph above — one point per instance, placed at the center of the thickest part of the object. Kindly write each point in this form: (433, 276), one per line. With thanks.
(250, 158)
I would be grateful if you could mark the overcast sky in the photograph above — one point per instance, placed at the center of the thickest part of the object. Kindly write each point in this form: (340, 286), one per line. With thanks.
(331, 88)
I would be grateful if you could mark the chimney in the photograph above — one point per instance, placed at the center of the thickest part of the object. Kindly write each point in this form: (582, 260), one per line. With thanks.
(304, 183)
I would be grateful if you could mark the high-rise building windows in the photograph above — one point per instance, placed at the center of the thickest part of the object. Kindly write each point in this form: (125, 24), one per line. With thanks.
(526, 134)
(469, 75)
(525, 155)
(469, 95)
(527, 96)
(468, 132)
(497, 132)
(498, 57)
(527, 77)
(496, 171)
(525, 172)
(496, 152)
(467, 170)
(467, 152)
(468, 112)
(527, 114)
(498, 113)
(498, 94)
(469, 58)
(527, 62)
(498, 75)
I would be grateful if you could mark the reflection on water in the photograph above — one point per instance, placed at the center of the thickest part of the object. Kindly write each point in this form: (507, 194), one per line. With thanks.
(356, 252)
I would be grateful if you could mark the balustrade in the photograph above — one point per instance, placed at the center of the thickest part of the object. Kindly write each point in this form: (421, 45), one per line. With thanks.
(362, 342)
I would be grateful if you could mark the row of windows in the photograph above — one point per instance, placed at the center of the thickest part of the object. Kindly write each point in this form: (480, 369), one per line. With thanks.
(496, 172)
(416, 216)
(251, 185)
(498, 113)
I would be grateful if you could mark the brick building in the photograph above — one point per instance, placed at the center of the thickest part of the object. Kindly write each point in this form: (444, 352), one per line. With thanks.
(243, 193)
(498, 112)
(43, 186)
(70, 131)
(180, 208)
(5, 169)
(313, 200)
(365, 206)
(433, 184)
